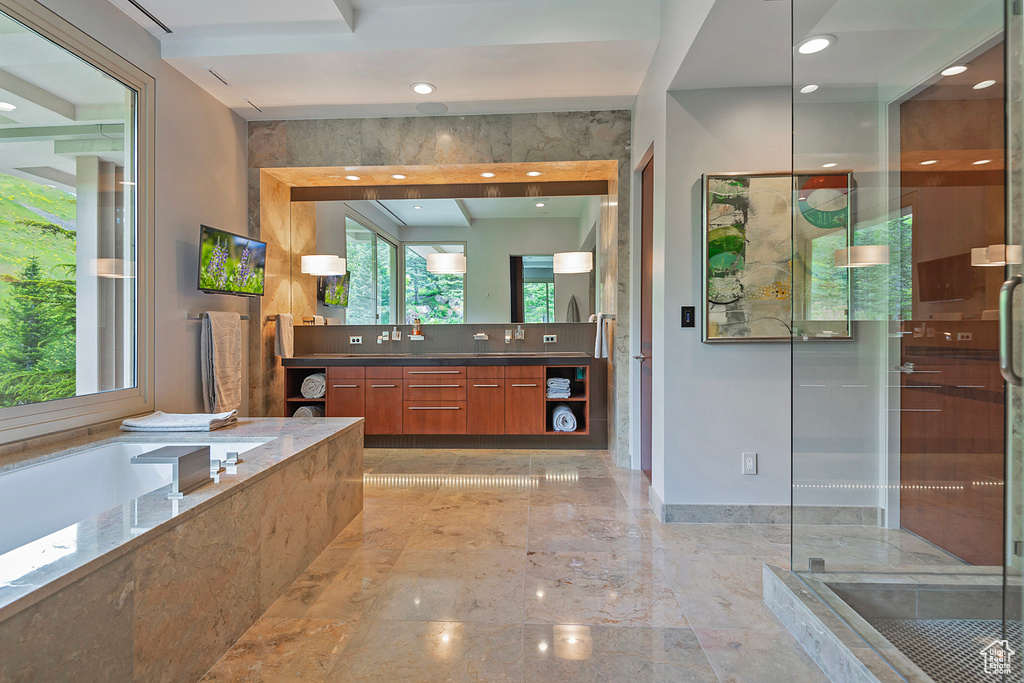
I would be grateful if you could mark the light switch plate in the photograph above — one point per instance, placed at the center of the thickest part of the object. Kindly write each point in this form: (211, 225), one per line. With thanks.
(550, 338)
(355, 340)
(750, 463)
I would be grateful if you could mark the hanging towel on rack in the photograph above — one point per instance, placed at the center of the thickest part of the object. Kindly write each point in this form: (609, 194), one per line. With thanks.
(284, 336)
(220, 360)
(573, 314)
(601, 342)
(318, 320)
(333, 321)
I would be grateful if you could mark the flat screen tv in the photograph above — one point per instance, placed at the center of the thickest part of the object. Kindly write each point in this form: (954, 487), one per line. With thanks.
(332, 290)
(230, 263)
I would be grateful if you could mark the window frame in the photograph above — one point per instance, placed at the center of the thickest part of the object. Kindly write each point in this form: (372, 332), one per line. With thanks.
(28, 421)
(465, 276)
(398, 303)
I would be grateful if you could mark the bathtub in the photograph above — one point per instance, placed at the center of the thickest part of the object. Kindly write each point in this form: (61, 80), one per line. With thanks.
(49, 498)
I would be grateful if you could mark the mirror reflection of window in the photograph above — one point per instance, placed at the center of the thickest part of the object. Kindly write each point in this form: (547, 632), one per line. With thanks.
(537, 276)
(434, 298)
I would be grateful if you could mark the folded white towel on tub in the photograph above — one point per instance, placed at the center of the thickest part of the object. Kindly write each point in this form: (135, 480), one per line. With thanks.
(309, 411)
(180, 422)
(314, 386)
(563, 419)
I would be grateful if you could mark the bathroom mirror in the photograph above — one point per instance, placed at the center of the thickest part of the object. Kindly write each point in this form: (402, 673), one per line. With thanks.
(448, 261)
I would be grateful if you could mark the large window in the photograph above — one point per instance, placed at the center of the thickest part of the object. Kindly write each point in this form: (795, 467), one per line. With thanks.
(69, 220)
(372, 269)
(433, 297)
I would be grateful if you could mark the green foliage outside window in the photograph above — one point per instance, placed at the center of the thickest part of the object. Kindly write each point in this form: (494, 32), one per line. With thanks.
(539, 302)
(431, 297)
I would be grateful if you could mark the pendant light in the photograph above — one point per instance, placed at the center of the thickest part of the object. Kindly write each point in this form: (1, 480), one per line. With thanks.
(996, 255)
(446, 263)
(862, 256)
(574, 262)
(323, 265)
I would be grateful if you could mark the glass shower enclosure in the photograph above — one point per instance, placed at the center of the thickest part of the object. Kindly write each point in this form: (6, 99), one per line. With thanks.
(906, 346)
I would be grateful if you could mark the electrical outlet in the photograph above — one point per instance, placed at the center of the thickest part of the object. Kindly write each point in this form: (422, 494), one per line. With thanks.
(355, 340)
(750, 463)
(964, 336)
(550, 338)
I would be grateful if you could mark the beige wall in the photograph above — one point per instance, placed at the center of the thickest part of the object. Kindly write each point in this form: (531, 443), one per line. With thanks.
(200, 178)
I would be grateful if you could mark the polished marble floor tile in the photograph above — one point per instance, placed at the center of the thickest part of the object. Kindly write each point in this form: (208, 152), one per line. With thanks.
(707, 539)
(615, 589)
(431, 651)
(567, 467)
(277, 649)
(570, 652)
(380, 527)
(493, 464)
(484, 586)
(569, 527)
(590, 491)
(417, 462)
(739, 656)
(481, 525)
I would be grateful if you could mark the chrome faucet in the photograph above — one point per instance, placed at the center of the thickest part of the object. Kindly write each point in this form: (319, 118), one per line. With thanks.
(520, 333)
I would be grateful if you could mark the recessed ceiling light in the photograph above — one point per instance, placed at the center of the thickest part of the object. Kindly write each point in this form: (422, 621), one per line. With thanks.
(802, 199)
(352, 177)
(540, 205)
(807, 89)
(981, 162)
(929, 162)
(488, 174)
(809, 46)
(417, 207)
(533, 174)
(954, 70)
(829, 165)
(423, 88)
(984, 84)
(128, 183)
(399, 176)
(7, 106)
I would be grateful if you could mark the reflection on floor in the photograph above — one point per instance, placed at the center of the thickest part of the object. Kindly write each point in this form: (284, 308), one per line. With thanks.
(865, 549)
(522, 565)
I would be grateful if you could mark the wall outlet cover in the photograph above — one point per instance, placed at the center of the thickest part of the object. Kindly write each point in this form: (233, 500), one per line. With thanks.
(355, 340)
(750, 463)
(550, 338)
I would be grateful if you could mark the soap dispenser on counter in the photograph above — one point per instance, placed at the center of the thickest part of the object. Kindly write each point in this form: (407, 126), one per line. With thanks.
(416, 334)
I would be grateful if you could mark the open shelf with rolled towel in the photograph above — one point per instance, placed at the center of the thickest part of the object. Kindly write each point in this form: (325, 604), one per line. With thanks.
(306, 391)
(567, 397)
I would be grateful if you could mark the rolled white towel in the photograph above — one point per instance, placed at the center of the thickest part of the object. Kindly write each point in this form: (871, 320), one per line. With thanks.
(563, 419)
(314, 386)
(309, 411)
(180, 422)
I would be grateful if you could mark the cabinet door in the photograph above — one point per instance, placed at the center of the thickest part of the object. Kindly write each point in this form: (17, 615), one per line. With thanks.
(485, 409)
(345, 398)
(524, 406)
(383, 406)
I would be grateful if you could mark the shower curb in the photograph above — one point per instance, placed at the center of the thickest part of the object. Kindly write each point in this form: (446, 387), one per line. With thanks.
(836, 648)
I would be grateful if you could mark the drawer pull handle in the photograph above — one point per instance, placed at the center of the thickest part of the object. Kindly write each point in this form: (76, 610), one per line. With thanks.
(524, 385)
(970, 386)
(434, 408)
(382, 386)
(430, 386)
(485, 385)
(346, 386)
(435, 372)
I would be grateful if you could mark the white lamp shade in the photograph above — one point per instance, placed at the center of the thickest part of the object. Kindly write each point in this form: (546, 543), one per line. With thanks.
(574, 262)
(115, 268)
(996, 255)
(862, 256)
(323, 264)
(446, 263)
(979, 257)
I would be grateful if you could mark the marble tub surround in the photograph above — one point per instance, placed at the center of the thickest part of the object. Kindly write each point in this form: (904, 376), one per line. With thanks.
(158, 589)
(495, 565)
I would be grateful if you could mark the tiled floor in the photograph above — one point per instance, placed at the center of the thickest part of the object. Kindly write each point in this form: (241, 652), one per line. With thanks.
(522, 566)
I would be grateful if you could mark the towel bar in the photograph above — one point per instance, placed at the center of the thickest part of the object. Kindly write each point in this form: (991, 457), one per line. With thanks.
(269, 318)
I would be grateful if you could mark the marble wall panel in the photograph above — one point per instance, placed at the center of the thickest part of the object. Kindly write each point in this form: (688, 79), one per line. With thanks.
(497, 138)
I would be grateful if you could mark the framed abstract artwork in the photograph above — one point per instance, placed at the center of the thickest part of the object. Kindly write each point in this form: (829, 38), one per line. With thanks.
(769, 243)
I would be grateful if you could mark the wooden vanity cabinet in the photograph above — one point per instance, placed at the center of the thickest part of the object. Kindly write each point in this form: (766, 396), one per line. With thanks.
(345, 392)
(384, 400)
(524, 399)
(485, 400)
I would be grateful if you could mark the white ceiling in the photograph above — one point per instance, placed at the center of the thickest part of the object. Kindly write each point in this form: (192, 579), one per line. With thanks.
(465, 212)
(348, 58)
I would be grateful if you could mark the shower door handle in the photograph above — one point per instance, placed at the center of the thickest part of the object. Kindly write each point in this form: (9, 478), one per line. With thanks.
(1006, 331)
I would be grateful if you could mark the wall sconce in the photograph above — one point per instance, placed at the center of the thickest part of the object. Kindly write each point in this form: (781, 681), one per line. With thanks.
(114, 268)
(323, 264)
(446, 263)
(574, 262)
(996, 255)
(862, 256)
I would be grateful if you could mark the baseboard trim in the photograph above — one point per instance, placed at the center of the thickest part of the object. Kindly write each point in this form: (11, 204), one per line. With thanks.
(841, 515)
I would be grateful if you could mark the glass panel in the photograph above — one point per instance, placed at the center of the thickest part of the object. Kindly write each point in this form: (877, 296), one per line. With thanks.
(362, 298)
(387, 269)
(539, 289)
(432, 297)
(898, 434)
(67, 224)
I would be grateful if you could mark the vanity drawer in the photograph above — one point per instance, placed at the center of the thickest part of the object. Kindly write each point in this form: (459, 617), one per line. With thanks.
(431, 388)
(434, 417)
(345, 372)
(384, 372)
(486, 371)
(434, 371)
(524, 372)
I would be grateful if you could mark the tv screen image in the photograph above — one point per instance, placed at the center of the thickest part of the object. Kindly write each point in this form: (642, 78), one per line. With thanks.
(230, 263)
(334, 290)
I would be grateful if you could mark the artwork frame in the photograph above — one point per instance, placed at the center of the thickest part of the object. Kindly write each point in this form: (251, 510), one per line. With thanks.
(757, 271)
